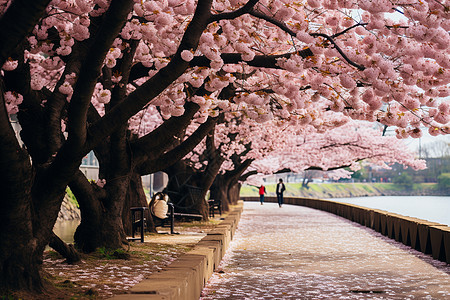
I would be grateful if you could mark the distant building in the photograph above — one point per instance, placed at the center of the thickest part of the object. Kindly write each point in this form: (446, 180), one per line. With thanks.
(89, 166)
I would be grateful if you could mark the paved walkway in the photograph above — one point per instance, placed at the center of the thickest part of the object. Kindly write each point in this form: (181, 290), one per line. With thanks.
(296, 252)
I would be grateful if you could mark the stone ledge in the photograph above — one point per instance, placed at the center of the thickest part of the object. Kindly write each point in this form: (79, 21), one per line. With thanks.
(185, 278)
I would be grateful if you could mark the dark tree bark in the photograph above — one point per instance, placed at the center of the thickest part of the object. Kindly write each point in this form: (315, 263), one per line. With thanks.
(226, 186)
(107, 209)
(17, 22)
(135, 197)
(33, 182)
(19, 257)
(219, 191)
(187, 187)
(29, 206)
(233, 193)
(67, 251)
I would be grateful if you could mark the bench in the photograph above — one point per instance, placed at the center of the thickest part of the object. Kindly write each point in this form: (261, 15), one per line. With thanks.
(162, 211)
(213, 205)
(137, 223)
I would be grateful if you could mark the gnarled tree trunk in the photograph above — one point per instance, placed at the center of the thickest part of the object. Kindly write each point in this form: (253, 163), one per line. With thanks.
(29, 204)
(135, 197)
(101, 213)
(186, 190)
(226, 186)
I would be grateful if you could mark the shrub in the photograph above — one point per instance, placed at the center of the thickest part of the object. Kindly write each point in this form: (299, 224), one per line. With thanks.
(444, 181)
(404, 179)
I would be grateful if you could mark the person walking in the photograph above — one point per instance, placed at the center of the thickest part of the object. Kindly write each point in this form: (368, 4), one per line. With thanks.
(280, 189)
(262, 191)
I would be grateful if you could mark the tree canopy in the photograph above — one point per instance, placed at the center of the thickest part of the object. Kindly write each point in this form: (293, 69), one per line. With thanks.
(127, 78)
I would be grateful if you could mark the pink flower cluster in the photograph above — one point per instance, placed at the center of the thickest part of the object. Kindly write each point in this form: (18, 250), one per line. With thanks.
(12, 101)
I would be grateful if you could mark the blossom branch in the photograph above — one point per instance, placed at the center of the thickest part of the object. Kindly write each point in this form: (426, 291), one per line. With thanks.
(159, 82)
(292, 33)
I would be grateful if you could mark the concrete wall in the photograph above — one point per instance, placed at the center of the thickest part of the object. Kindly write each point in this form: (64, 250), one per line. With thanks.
(185, 278)
(425, 236)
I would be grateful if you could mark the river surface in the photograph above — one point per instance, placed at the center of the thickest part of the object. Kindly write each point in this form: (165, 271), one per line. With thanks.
(66, 229)
(431, 208)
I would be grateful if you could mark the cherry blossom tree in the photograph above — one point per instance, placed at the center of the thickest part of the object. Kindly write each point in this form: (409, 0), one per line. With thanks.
(191, 178)
(343, 146)
(218, 163)
(321, 149)
(150, 153)
(296, 61)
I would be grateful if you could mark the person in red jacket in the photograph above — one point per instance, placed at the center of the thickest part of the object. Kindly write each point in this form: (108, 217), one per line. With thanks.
(262, 191)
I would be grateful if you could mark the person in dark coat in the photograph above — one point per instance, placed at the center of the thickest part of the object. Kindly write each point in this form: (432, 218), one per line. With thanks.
(280, 189)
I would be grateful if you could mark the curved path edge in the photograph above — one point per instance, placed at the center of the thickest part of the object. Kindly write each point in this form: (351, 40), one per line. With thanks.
(422, 235)
(185, 278)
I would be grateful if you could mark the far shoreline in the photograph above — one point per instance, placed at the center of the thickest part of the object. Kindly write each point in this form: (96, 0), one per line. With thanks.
(348, 190)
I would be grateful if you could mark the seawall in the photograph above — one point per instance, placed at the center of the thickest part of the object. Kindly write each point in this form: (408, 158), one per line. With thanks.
(68, 211)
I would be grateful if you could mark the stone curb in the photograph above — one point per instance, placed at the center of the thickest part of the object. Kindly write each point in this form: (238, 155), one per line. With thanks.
(425, 236)
(185, 278)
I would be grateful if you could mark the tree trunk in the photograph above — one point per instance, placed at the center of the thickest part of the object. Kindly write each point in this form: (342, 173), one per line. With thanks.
(20, 248)
(225, 190)
(136, 198)
(27, 217)
(233, 193)
(219, 191)
(307, 177)
(187, 189)
(226, 186)
(20, 265)
(67, 251)
(101, 213)
(20, 251)
(100, 229)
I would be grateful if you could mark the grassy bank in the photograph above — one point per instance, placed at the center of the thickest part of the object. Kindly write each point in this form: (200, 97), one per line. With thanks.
(337, 190)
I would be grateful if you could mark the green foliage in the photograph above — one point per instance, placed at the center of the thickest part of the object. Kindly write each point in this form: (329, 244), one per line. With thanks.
(361, 174)
(314, 187)
(388, 186)
(72, 197)
(248, 190)
(368, 188)
(112, 253)
(404, 180)
(444, 181)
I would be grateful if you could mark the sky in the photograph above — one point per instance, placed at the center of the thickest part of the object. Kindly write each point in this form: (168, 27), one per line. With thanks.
(426, 140)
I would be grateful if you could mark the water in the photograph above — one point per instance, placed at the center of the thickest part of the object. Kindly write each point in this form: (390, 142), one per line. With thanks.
(431, 208)
(66, 229)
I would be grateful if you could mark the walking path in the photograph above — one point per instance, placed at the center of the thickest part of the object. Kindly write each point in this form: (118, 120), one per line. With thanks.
(295, 252)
